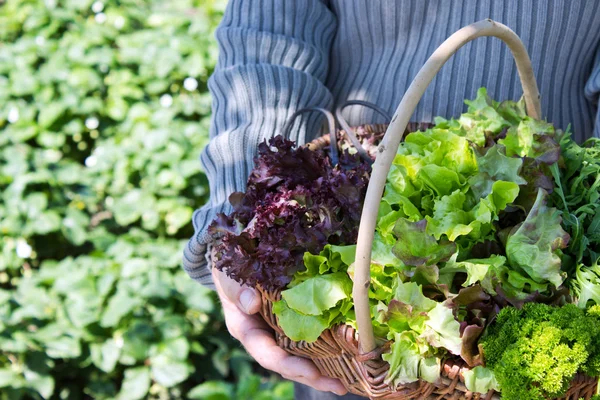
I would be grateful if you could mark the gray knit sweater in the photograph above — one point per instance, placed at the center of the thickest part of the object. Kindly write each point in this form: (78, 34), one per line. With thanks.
(277, 56)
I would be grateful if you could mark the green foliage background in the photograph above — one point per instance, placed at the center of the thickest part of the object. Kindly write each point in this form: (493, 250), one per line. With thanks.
(99, 175)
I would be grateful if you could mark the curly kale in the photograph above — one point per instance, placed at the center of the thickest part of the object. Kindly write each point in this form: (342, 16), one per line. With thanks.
(535, 352)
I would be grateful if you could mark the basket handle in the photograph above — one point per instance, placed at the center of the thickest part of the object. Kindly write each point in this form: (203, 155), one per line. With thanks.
(393, 135)
(331, 126)
(350, 133)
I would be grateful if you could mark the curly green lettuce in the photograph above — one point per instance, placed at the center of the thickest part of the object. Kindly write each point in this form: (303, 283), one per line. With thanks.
(535, 352)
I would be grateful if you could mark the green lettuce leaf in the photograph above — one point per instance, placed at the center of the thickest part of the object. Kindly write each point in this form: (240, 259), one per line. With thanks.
(416, 247)
(487, 272)
(533, 245)
(499, 167)
(346, 253)
(407, 364)
(319, 293)
(481, 118)
(586, 284)
(453, 218)
(442, 329)
(400, 316)
(532, 138)
(412, 294)
(298, 326)
(480, 380)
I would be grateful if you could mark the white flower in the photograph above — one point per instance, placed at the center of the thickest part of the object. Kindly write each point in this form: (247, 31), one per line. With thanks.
(166, 100)
(13, 115)
(24, 250)
(91, 161)
(97, 7)
(190, 84)
(119, 22)
(92, 123)
(40, 40)
(100, 18)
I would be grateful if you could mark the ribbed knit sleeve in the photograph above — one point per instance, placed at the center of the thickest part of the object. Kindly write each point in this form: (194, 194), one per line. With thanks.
(273, 60)
(592, 91)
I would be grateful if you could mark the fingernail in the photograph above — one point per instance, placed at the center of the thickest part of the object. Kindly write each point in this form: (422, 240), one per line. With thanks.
(246, 299)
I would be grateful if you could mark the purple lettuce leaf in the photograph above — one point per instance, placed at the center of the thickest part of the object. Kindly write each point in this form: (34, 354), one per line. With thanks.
(295, 202)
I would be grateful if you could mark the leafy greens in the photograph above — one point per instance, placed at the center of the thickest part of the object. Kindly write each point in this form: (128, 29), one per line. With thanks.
(480, 213)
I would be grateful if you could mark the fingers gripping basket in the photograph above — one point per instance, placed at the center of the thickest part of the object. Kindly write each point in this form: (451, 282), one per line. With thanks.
(353, 355)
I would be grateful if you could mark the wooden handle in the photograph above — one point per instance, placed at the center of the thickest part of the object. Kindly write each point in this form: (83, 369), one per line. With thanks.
(393, 135)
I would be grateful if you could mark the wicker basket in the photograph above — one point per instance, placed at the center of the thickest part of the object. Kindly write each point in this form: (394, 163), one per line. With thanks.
(337, 354)
(352, 355)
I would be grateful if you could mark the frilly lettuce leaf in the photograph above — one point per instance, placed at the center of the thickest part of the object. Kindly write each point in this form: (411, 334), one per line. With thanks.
(298, 326)
(487, 272)
(417, 247)
(453, 218)
(442, 329)
(481, 118)
(533, 139)
(480, 380)
(499, 167)
(533, 245)
(412, 294)
(319, 293)
(491, 274)
(587, 284)
(407, 364)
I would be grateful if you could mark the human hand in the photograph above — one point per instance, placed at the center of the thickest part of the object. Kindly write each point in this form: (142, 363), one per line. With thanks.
(240, 305)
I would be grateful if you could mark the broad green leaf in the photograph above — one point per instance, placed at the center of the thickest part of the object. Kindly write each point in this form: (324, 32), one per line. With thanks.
(319, 293)
(411, 294)
(430, 369)
(443, 329)
(74, 226)
(63, 347)
(49, 114)
(175, 349)
(407, 365)
(499, 167)
(417, 247)
(169, 372)
(347, 253)
(299, 326)
(212, 390)
(135, 384)
(8, 377)
(119, 305)
(105, 355)
(480, 380)
(41, 383)
(47, 221)
(533, 246)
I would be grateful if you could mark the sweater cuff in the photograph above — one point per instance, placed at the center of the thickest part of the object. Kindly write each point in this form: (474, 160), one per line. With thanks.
(196, 255)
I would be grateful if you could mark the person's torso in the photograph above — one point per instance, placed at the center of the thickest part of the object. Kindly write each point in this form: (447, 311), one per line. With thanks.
(380, 46)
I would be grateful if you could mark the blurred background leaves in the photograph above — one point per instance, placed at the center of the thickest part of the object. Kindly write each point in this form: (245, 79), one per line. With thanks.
(104, 112)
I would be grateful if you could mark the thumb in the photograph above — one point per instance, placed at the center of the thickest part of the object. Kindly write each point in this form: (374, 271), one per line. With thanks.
(247, 299)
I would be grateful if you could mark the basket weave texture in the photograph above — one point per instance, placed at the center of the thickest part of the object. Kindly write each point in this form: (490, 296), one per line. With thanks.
(337, 353)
